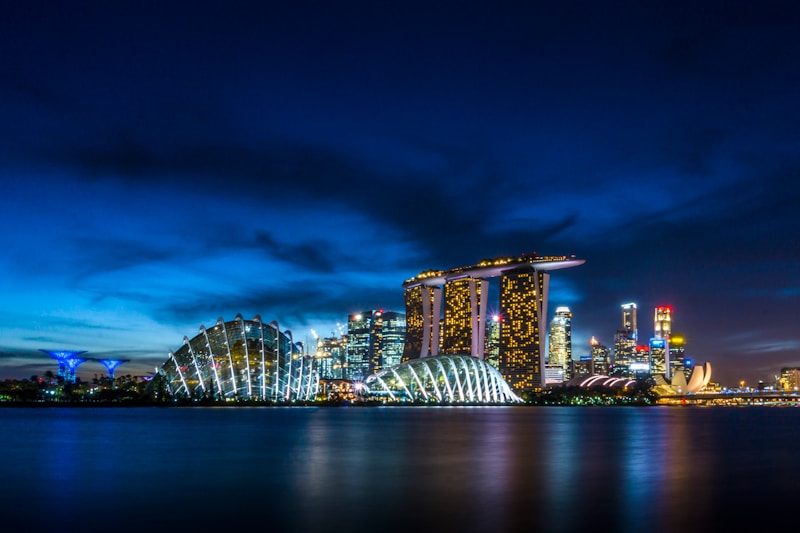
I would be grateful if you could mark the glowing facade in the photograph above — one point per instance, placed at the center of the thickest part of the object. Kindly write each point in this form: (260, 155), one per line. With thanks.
(330, 357)
(441, 379)
(393, 331)
(374, 341)
(241, 359)
(625, 341)
(491, 351)
(662, 323)
(465, 291)
(465, 316)
(423, 308)
(600, 357)
(559, 350)
(523, 307)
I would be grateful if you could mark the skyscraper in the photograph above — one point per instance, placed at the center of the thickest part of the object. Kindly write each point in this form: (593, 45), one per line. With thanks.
(392, 338)
(523, 308)
(625, 342)
(560, 340)
(659, 344)
(523, 313)
(423, 312)
(464, 316)
(600, 357)
(662, 322)
(677, 355)
(492, 350)
(373, 339)
(330, 356)
(360, 345)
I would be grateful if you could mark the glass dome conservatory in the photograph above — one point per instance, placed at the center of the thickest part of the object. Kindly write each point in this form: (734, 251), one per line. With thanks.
(240, 359)
(441, 379)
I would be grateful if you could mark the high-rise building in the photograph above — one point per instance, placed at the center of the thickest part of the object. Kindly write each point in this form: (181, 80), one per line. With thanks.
(600, 357)
(629, 319)
(560, 340)
(491, 351)
(662, 326)
(659, 356)
(523, 308)
(359, 345)
(463, 328)
(584, 366)
(392, 338)
(790, 379)
(423, 312)
(677, 356)
(625, 342)
(330, 356)
(464, 316)
(369, 335)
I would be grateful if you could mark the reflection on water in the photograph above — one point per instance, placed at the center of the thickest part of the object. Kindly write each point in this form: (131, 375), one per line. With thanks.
(378, 469)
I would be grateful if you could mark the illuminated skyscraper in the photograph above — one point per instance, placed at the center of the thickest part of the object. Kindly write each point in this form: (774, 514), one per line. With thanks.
(625, 342)
(600, 357)
(523, 313)
(677, 355)
(629, 319)
(359, 346)
(330, 357)
(423, 311)
(372, 336)
(659, 350)
(663, 322)
(492, 349)
(560, 340)
(523, 308)
(464, 317)
(393, 334)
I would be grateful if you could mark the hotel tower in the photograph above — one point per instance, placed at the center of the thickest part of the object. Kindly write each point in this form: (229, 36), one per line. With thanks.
(462, 293)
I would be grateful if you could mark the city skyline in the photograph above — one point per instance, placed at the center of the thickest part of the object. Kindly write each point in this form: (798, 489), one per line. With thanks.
(164, 167)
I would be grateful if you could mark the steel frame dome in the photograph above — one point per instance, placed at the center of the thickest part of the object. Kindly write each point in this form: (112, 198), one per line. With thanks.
(241, 359)
(441, 379)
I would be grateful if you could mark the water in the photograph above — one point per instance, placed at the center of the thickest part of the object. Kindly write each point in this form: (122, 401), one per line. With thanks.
(399, 469)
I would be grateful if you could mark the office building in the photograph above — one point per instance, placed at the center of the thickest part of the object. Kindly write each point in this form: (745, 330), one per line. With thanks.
(330, 357)
(491, 351)
(662, 324)
(600, 357)
(625, 342)
(560, 340)
(374, 339)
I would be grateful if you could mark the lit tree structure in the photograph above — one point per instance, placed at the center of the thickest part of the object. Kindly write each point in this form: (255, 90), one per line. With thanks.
(65, 369)
(72, 364)
(111, 365)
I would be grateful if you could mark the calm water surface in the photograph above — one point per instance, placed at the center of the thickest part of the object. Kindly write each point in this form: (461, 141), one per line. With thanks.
(399, 469)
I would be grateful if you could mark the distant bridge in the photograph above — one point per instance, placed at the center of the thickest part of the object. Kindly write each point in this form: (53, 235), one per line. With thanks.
(786, 398)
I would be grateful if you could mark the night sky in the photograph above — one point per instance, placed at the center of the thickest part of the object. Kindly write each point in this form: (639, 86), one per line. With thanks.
(165, 164)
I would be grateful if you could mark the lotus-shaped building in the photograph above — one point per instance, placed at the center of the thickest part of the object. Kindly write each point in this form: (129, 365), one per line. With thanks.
(240, 359)
(441, 379)
(700, 377)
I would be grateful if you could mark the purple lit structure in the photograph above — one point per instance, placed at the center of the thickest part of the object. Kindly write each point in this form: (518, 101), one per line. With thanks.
(111, 365)
(65, 368)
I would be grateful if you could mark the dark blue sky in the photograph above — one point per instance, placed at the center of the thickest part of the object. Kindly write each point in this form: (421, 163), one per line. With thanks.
(164, 164)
